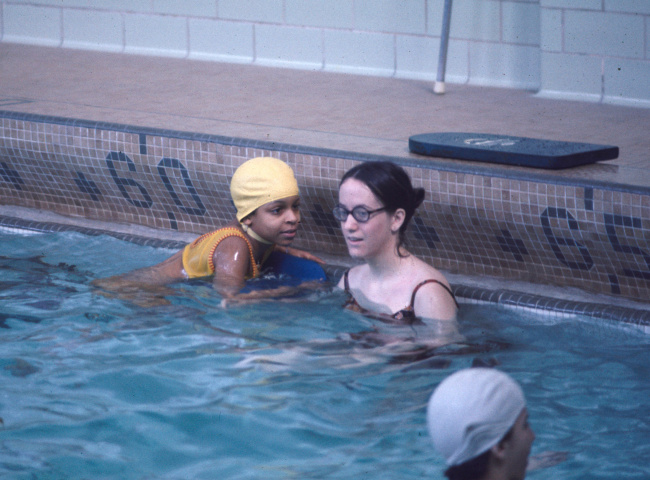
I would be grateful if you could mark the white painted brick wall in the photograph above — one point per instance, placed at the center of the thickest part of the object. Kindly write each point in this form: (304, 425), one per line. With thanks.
(595, 50)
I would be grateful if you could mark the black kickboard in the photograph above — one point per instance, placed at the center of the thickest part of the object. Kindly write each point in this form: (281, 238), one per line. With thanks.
(510, 150)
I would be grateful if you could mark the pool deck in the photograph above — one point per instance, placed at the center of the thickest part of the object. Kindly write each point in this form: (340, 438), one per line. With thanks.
(337, 112)
(363, 114)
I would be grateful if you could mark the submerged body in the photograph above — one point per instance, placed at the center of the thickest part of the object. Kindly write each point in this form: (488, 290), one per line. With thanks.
(376, 202)
(412, 289)
(266, 196)
(478, 421)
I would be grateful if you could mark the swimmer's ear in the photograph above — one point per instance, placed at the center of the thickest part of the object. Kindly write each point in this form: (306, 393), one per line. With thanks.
(500, 450)
(397, 220)
(248, 219)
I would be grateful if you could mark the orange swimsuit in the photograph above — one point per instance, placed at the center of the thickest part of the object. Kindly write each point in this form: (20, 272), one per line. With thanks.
(197, 256)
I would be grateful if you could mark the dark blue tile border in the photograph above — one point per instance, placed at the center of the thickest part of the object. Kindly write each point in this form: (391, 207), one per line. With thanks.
(410, 161)
(47, 227)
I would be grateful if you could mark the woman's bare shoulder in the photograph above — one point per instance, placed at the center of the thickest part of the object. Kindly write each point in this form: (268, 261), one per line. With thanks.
(355, 275)
(424, 271)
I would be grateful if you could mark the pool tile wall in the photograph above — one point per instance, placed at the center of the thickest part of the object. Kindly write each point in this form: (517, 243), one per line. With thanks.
(570, 234)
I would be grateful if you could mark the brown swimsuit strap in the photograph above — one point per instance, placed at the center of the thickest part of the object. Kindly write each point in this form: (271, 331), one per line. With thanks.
(432, 280)
(415, 291)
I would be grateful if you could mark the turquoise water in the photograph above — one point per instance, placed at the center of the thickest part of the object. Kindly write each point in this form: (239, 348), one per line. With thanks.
(95, 387)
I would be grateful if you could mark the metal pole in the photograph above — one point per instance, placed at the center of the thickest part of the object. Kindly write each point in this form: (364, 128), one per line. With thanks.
(439, 85)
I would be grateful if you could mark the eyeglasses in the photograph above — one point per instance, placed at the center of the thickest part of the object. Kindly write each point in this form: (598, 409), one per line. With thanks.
(360, 214)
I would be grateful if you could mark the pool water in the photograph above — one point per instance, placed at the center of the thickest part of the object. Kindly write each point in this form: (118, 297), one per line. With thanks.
(96, 387)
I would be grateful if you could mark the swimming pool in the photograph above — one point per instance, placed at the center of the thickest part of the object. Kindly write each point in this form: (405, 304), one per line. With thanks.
(94, 387)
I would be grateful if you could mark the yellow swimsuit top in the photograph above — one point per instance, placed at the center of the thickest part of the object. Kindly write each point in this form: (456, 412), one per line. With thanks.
(197, 256)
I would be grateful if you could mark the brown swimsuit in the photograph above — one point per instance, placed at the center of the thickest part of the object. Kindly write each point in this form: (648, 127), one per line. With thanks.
(406, 314)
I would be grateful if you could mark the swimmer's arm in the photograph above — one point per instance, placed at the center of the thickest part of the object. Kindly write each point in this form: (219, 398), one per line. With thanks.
(299, 253)
(437, 309)
(232, 263)
(164, 273)
(277, 293)
(433, 301)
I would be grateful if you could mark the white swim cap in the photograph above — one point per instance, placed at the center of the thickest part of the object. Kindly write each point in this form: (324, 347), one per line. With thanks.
(471, 410)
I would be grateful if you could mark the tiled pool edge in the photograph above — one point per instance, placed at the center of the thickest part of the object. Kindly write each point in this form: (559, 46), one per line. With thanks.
(477, 219)
(416, 161)
(465, 293)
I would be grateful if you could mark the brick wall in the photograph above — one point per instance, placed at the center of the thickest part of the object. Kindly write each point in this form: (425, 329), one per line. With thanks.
(594, 50)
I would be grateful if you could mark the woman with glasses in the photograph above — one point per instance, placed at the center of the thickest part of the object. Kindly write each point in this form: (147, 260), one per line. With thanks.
(376, 203)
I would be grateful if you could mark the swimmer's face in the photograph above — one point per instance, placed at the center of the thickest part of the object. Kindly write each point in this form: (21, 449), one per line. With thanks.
(517, 447)
(370, 238)
(276, 221)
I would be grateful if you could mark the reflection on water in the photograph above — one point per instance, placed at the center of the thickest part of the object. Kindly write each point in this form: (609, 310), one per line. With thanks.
(94, 387)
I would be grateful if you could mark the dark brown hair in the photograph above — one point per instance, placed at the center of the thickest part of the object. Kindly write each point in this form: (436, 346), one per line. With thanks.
(392, 186)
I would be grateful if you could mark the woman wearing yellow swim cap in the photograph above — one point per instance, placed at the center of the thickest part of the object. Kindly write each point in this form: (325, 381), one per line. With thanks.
(266, 196)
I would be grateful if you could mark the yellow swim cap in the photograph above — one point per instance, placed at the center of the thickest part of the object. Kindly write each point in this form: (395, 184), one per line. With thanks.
(261, 180)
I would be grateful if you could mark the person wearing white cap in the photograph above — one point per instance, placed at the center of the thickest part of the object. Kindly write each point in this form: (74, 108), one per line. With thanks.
(478, 422)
